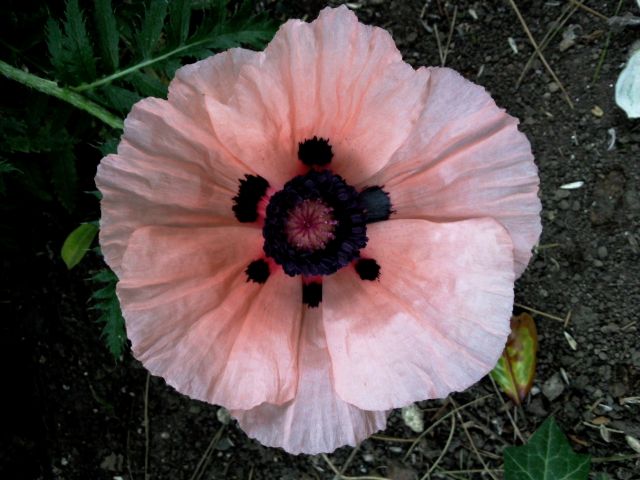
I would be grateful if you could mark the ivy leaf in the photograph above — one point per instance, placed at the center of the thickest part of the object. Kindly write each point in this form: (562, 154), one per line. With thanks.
(516, 368)
(106, 303)
(547, 456)
(77, 244)
(108, 35)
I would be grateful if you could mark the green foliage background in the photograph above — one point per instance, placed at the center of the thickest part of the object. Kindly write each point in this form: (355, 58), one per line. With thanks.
(72, 72)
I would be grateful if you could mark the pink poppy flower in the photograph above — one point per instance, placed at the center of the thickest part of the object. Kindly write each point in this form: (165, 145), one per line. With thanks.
(318, 233)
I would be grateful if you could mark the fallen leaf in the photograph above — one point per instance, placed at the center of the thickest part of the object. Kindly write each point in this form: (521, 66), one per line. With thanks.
(634, 443)
(547, 456)
(601, 420)
(579, 441)
(517, 365)
(570, 340)
(572, 185)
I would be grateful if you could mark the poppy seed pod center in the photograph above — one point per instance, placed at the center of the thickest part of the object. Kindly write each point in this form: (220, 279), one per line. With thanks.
(310, 225)
(315, 225)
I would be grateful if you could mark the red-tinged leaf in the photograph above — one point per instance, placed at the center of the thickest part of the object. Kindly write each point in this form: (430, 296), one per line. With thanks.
(517, 365)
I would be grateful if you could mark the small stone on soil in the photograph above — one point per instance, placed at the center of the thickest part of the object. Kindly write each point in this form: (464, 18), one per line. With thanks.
(553, 387)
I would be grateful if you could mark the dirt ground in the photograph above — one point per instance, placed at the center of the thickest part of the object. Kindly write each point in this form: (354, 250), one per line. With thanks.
(73, 413)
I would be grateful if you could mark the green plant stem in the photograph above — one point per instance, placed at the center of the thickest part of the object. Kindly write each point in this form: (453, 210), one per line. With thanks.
(136, 67)
(50, 87)
(145, 63)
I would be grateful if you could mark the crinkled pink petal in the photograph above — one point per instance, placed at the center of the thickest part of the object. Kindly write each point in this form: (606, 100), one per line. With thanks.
(193, 318)
(316, 420)
(435, 322)
(466, 159)
(168, 171)
(333, 78)
(213, 77)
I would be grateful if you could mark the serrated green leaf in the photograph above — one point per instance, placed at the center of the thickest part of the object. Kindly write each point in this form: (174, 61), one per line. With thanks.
(547, 456)
(65, 178)
(118, 98)
(171, 66)
(55, 44)
(77, 244)
(110, 145)
(107, 304)
(108, 35)
(104, 276)
(148, 85)
(179, 19)
(79, 43)
(516, 367)
(152, 25)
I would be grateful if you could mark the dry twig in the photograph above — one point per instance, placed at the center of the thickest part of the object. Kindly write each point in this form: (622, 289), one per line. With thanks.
(539, 52)
(204, 460)
(540, 312)
(440, 420)
(590, 10)
(546, 40)
(444, 450)
(473, 445)
(504, 404)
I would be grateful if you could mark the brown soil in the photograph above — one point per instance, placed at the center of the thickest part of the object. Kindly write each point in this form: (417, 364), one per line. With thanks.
(72, 413)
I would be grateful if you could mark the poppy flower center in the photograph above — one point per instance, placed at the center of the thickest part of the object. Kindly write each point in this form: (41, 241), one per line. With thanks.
(315, 225)
(310, 225)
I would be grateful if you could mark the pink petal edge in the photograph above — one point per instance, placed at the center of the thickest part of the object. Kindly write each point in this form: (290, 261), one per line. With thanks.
(195, 320)
(435, 322)
(316, 420)
(466, 159)
(333, 78)
(168, 171)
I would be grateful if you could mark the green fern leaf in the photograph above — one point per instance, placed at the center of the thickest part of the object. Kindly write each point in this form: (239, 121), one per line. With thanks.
(55, 45)
(152, 26)
(108, 35)
(78, 41)
(110, 145)
(118, 98)
(148, 85)
(179, 20)
(106, 303)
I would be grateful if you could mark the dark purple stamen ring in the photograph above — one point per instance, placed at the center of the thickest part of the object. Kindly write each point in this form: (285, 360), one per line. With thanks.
(349, 233)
